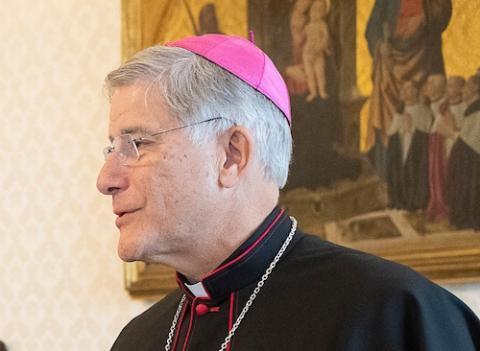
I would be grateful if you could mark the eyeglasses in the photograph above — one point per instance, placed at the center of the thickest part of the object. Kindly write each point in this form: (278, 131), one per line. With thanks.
(125, 147)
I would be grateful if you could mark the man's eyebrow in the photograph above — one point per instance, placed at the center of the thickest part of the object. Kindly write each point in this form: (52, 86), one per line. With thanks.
(133, 130)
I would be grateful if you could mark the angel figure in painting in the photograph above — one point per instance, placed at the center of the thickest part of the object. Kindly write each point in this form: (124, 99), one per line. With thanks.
(464, 164)
(456, 107)
(407, 152)
(447, 107)
(316, 49)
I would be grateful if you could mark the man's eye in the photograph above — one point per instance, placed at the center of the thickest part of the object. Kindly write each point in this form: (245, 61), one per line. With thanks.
(139, 143)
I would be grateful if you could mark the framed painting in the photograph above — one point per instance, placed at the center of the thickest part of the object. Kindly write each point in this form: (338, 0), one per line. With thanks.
(358, 177)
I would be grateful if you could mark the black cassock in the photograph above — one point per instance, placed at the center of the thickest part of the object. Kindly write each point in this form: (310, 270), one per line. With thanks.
(319, 297)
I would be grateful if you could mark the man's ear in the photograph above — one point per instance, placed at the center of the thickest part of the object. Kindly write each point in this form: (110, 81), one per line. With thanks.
(237, 148)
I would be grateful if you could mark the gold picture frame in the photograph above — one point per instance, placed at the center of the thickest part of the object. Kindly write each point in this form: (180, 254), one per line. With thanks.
(342, 213)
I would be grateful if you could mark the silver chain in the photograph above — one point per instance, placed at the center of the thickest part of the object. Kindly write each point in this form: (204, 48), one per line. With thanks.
(248, 304)
(174, 324)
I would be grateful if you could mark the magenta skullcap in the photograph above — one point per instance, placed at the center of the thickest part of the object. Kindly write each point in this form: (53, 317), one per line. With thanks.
(243, 59)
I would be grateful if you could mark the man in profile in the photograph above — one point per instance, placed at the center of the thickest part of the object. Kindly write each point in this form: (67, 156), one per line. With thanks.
(200, 146)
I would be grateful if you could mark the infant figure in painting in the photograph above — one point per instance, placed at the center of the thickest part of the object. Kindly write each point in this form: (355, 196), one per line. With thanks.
(316, 49)
(298, 21)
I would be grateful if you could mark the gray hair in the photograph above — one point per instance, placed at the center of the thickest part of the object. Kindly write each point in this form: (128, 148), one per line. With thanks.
(195, 89)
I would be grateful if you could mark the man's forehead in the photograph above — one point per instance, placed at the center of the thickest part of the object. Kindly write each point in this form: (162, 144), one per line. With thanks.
(127, 99)
(130, 113)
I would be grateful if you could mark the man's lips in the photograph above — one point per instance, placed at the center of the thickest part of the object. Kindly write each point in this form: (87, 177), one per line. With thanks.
(121, 212)
(122, 215)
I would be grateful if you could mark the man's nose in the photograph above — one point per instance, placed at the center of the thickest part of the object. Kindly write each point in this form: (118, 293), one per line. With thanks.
(112, 177)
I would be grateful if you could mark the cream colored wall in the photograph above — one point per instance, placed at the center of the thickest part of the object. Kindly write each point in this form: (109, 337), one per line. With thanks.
(61, 282)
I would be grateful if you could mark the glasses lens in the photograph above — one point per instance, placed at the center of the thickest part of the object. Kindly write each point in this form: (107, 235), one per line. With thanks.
(125, 149)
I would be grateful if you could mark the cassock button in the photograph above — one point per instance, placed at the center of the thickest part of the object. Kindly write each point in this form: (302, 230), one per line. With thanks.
(201, 309)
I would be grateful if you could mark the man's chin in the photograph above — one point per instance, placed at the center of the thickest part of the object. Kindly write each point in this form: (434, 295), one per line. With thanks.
(127, 258)
(129, 252)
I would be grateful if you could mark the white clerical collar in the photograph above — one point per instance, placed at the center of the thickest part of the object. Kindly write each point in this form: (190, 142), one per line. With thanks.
(197, 289)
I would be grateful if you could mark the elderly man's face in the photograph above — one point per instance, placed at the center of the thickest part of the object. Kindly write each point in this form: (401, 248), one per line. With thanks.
(163, 199)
